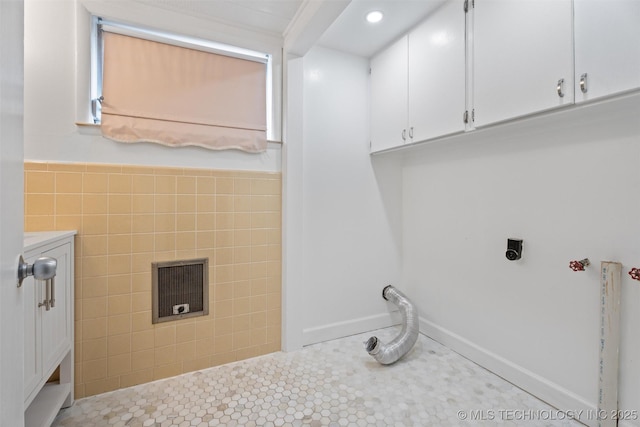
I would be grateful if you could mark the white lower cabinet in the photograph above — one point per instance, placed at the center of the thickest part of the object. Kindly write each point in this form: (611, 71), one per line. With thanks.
(49, 338)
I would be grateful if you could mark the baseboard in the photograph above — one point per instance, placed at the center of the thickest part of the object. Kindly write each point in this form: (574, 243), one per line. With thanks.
(542, 388)
(351, 327)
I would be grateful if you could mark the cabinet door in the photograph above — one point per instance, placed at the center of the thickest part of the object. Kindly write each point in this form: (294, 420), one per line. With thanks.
(32, 344)
(437, 73)
(521, 50)
(56, 323)
(389, 96)
(607, 38)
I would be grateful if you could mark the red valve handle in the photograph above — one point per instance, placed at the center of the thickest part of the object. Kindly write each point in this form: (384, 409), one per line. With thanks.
(635, 273)
(576, 266)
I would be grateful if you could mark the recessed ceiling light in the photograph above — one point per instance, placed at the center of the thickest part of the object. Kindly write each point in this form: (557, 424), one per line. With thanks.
(374, 16)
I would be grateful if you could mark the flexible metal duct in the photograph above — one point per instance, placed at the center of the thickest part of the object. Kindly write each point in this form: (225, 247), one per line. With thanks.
(389, 353)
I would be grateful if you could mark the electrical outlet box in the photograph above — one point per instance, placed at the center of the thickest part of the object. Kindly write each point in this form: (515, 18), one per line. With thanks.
(180, 308)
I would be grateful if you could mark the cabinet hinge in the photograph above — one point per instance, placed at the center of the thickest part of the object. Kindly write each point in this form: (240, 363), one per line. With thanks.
(465, 117)
(466, 6)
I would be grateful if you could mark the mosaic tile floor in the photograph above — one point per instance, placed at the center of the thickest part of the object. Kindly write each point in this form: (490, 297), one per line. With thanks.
(335, 383)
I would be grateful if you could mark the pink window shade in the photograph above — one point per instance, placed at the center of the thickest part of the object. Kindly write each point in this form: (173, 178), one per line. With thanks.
(177, 96)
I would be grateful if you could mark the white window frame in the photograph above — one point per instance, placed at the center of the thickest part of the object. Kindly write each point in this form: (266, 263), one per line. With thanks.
(97, 56)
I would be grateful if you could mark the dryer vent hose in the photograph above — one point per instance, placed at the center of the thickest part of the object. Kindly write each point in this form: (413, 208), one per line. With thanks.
(398, 347)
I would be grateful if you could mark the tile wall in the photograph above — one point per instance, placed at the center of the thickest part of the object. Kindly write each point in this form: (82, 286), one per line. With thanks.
(126, 218)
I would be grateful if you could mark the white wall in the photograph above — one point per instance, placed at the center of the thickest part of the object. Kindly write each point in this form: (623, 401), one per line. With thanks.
(56, 90)
(567, 184)
(348, 208)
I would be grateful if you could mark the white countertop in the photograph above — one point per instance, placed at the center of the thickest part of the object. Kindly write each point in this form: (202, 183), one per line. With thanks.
(37, 238)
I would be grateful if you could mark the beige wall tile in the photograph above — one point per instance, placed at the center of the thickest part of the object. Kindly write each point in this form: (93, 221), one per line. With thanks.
(135, 378)
(94, 349)
(94, 369)
(206, 203)
(39, 204)
(165, 203)
(118, 344)
(186, 222)
(165, 184)
(119, 203)
(120, 224)
(119, 244)
(167, 371)
(94, 328)
(119, 364)
(164, 355)
(140, 301)
(39, 182)
(119, 284)
(39, 223)
(142, 340)
(143, 184)
(206, 185)
(185, 332)
(242, 186)
(165, 336)
(67, 182)
(165, 223)
(186, 185)
(128, 217)
(119, 324)
(96, 204)
(119, 264)
(94, 245)
(94, 287)
(142, 203)
(94, 307)
(94, 224)
(119, 184)
(95, 183)
(142, 360)
(141, 321)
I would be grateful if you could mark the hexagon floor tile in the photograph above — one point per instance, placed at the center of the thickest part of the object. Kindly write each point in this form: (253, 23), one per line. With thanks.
(335, 383)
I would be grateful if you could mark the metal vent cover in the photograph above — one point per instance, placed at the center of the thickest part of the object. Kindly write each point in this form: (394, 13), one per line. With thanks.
(176, 283)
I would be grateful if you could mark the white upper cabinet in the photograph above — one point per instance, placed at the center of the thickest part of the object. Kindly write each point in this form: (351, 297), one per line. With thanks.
(607, 44)
(418, 83)
(389, 96)
(523, 58)
(437, 73)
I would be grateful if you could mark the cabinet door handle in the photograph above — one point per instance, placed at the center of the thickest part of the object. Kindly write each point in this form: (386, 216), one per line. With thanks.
(583, 83)
(560, 87)
(52, 300)
(404, 134)
(411, 132)
(47, 298)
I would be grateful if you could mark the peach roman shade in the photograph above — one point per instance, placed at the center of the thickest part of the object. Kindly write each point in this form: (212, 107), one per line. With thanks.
(178, 96)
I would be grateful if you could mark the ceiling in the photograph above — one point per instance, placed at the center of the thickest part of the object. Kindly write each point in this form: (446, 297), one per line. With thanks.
(353, 34)
(349, 32)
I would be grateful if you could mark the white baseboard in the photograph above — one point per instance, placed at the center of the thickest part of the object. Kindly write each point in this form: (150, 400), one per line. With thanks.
(351, 327)
(540, 387)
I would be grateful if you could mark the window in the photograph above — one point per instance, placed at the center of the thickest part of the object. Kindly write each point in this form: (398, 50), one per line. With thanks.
(174, 90)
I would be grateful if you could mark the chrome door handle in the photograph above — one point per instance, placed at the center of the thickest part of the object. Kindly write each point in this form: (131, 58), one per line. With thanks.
(48, 299)
(44, 268)
(404, 134)
(411, 132)
(583, 83)
(559, 88)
